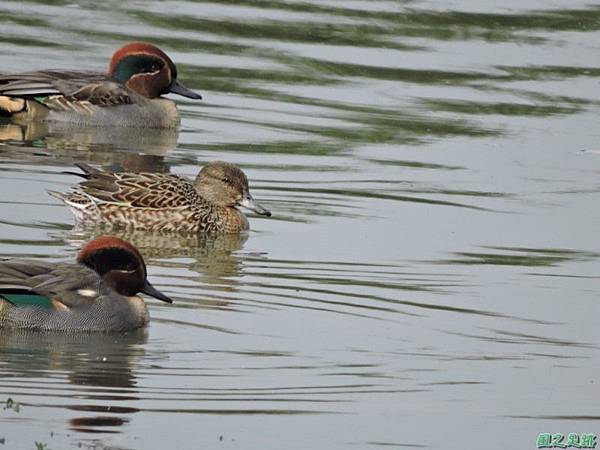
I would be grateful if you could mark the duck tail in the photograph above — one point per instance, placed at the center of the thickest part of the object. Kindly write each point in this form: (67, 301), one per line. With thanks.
(11, 105)
(87, 170)
(59, 195)
(80, 205)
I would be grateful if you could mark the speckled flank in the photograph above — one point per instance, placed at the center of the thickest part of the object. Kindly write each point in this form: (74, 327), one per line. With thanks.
(192, 218)
(160, 202)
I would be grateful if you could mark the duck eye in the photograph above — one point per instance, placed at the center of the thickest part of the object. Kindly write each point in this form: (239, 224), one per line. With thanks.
(225, 180)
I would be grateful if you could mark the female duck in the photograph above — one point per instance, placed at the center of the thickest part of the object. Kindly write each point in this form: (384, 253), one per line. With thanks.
(97, 293)
(129, 95)
(163, 202)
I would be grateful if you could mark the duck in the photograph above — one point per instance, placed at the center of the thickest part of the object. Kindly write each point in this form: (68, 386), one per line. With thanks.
(163, 202)
(96, 293)
(129, 95)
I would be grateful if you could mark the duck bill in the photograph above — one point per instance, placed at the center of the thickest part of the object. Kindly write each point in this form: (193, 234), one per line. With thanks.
(249, 203)
(150, 290)
(180, 89)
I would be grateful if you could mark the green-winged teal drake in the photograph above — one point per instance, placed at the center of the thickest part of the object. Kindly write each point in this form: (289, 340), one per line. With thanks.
(128, 95)
(163, 202)
(96, 293)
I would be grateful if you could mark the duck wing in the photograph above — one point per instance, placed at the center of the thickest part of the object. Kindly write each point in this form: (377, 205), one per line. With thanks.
(142, 190)
(31, 282)
(58, 89)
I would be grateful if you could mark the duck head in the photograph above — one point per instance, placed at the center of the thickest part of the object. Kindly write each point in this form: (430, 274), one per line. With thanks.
(120, 265)
(224, 184)
(146, 70)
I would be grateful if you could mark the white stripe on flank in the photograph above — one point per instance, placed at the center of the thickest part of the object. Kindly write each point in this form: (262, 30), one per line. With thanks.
(87, 292)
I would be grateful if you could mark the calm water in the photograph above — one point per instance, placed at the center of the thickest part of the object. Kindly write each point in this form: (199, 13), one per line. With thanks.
(429, 278)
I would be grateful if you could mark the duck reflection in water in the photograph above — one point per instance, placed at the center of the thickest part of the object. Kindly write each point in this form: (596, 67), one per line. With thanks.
(214, 257)
(67, 144)
(92, 363)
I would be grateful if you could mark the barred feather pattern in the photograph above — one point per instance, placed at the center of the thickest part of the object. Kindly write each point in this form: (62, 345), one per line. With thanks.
(104, 310)
(101, 316)
(58, 88)
(149, 201)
